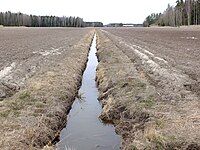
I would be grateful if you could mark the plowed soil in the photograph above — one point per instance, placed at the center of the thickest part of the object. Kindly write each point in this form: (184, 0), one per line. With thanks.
(149, 85)
(40, 73)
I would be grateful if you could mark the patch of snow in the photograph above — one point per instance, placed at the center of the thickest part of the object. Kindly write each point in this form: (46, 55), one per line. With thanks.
(193, 38)
(161, 59)
(156, 69)
(53, 51)
(190, 38)
(171, 79)
(144, 50)
(7, 70)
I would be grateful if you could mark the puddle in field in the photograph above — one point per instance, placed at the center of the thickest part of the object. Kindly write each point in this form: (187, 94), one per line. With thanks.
(84, 130)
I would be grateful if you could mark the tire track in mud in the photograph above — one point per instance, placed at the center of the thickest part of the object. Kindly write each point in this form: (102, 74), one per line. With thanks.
(171, 83)
(138, 107)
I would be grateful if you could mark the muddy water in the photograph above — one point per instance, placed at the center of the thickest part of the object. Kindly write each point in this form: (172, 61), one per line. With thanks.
(84, 130)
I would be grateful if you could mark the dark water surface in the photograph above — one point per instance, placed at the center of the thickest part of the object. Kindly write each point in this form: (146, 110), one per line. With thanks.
(84, 130)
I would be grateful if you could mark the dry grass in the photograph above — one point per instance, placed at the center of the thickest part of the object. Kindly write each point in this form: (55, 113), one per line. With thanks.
(131, 100)
(34, 116)
(156, 140)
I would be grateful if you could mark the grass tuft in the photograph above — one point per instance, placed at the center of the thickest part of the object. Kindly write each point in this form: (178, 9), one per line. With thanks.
(80, 96)
(133, 147)
(15, 106)
(160, 123)
(148, 103)
(153, 137)
(5, 113)
(24, 95)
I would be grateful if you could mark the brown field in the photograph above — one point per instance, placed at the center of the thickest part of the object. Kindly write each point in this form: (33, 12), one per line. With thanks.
(179, 47)
(26, 50)
(41, 71)
(149, 82)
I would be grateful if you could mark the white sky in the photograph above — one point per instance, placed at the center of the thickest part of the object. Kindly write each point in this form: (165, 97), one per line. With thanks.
(106, 11)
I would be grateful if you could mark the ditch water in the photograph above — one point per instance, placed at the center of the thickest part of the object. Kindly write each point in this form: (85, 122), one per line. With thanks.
(84, 129)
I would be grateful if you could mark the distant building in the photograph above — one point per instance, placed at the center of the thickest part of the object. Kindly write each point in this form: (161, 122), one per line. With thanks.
(123, 25)
(114, 25)
(128, 25)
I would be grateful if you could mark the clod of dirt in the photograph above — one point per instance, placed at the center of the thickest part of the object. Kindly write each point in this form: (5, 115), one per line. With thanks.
(7, 90)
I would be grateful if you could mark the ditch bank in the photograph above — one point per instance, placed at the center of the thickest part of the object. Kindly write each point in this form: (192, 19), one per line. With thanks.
(132, 103)
(84, 129)
(34, 117)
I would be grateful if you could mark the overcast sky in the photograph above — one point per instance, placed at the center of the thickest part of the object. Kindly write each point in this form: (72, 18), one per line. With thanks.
(106, 11)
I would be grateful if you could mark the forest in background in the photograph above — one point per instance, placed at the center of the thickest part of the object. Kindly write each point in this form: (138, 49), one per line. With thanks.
(19, 19)
(186, 12)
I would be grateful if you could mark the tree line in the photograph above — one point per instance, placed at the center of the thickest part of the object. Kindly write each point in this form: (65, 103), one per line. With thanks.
(19, 19)
(93, 24)
(185, 12)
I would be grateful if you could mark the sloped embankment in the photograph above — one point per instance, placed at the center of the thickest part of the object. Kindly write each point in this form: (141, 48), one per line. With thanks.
(34, 116)
(132, 103)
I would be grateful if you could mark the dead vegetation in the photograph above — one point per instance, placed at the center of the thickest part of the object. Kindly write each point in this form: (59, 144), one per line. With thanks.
(34, 116)
(132, 102)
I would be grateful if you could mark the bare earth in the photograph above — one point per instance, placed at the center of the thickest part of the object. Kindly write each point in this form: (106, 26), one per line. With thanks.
(40, 73)
(148, 79)
(149, 82)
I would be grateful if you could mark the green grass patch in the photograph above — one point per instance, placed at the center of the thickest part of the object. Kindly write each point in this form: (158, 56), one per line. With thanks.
(132, 147)
(16, 113)
(160, 123)
(39, 105)
(15, 105)
(159, 143)
(5, 113)
(24, 95)
(24, 98)
(147, 103)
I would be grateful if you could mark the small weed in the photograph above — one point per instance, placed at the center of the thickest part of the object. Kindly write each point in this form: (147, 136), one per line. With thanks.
(172, 138)
(110, 54)
(137, 83)
(15, 106)
(62, 98)
(140, 84)
(157, 140)
(50, 115)
(39, 105)
(132, 147)
(16, 113)
(24, 95)
(5, 113)
(80, 97)
(160, 123)
(159, 143)
(35, 114)
(25, 98)
(148, 103)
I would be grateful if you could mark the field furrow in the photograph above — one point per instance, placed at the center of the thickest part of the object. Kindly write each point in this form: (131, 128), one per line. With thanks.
(152, 102)
(39, 82)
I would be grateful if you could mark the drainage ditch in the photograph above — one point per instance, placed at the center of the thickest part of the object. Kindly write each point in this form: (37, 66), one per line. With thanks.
(84, 129)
